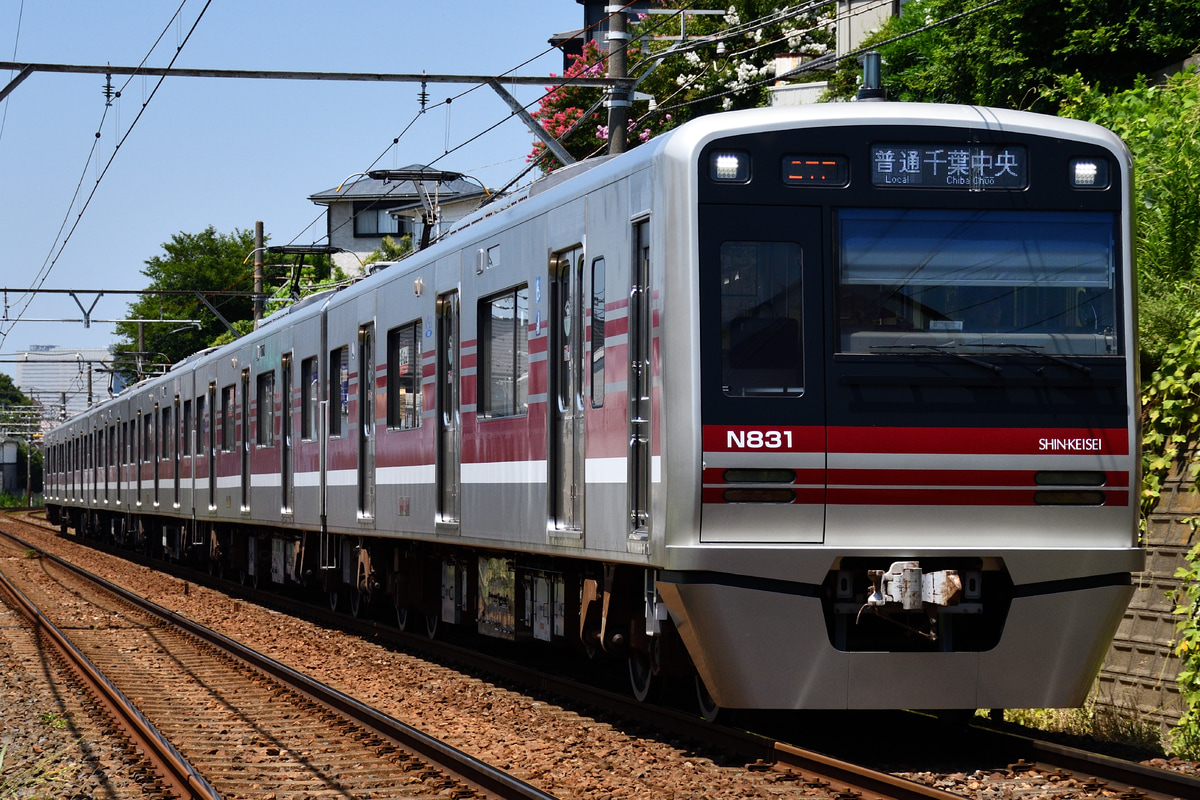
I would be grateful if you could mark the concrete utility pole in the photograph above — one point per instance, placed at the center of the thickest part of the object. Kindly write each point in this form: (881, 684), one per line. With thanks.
(618, 103)
(141, 351)
(258, 273)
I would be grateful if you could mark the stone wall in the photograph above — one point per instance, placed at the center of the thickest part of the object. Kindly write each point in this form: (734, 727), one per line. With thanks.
(1138, 676)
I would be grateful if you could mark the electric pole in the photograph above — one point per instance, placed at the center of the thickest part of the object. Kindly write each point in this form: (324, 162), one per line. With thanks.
(618, 103)
(258, 273)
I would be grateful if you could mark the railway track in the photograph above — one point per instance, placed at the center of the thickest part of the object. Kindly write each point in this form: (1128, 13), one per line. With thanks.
(218, 720)
(1025, 766)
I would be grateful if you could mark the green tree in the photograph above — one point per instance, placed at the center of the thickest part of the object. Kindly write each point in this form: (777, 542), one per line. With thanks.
(725, 62)
(1010, 54)
(10, 395)
(390, 250)
(1161, 126)
(199, 262)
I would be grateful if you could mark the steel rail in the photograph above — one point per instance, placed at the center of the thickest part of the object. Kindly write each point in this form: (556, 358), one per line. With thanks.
(471, 771)
(867, 782)
(761, 751)
(1049, 756)
(174, 770)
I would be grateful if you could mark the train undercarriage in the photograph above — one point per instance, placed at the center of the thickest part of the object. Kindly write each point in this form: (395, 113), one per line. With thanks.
(606, 610)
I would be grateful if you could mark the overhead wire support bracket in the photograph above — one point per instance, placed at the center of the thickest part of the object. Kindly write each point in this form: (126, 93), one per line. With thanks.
(553, 144)
(87, 312)
(25, 72)
(290, 75)
(219, 316)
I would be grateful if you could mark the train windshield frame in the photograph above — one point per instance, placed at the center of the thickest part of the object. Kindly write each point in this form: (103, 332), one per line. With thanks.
(993, 281)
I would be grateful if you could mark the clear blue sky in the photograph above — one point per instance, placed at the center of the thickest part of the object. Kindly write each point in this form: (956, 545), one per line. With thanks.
(229, 152)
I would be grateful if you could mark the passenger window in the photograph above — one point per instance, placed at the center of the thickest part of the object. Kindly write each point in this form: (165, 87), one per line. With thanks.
(504, 356)
(339, 392)
(598, 293)
(310, 408)
(404, 377)
(228, 419)
(761, 354)
(266, 409)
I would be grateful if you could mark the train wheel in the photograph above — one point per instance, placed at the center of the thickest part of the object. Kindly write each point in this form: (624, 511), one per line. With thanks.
(708, 707)
(641, 678)
(403, 617)
(431, 625)
(356, 601)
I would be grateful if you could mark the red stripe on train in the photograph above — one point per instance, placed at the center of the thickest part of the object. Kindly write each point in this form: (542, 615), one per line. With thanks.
(835, 496)
(950, 441)
(917, 477)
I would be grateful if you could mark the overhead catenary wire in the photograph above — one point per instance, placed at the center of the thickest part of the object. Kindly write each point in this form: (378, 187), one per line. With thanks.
(16, 42)
(567, 81)
(825, 61)
(44, 273)
(47, 264)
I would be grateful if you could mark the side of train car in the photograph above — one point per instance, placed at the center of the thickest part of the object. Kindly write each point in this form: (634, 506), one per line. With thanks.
(827, 407)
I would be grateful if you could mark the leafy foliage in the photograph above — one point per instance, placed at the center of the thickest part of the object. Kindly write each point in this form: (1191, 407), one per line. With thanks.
(1161, 126)
(687, 78)
(207, 262)
(1009, 55)
(1186, 736)
(10, 395)
(390, 250)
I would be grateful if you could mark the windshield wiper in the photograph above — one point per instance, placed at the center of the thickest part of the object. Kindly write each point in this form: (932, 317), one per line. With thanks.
(1037, 351)
(941, 349)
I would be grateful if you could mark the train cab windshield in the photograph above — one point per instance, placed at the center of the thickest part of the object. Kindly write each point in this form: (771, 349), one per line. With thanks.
(978, 281)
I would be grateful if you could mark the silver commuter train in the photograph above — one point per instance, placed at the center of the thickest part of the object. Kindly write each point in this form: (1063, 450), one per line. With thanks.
(827, 407)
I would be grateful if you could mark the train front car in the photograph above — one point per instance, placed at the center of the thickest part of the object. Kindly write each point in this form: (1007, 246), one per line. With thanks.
(913, 328)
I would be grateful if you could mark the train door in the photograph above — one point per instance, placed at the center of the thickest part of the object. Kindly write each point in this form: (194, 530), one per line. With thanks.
(210, 445)
(245, 409)
(366, 421)
(139, 435)
(448, 409)
(286, 464)
(565, 366)
(153, 446)
(176, 446)
(639, 455)
(762, 322)
(122, 460)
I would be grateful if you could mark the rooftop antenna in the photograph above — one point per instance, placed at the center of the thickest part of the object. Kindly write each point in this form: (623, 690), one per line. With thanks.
(872, 83)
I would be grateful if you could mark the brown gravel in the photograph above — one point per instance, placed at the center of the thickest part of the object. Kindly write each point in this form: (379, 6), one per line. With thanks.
(561, 752)
(50, 746)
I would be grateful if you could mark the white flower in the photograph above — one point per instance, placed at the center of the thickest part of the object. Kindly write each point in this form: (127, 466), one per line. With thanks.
(726, 103)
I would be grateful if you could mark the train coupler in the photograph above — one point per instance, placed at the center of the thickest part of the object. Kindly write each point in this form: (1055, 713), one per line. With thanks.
(905, 584)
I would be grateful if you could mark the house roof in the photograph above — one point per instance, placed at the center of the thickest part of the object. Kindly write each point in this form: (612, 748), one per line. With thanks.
(368, 189)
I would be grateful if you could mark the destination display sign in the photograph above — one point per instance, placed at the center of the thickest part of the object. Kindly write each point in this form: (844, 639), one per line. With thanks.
(947, 166)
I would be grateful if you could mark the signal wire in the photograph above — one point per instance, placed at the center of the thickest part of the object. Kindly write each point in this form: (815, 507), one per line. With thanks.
(44, 272)
(827, 60)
